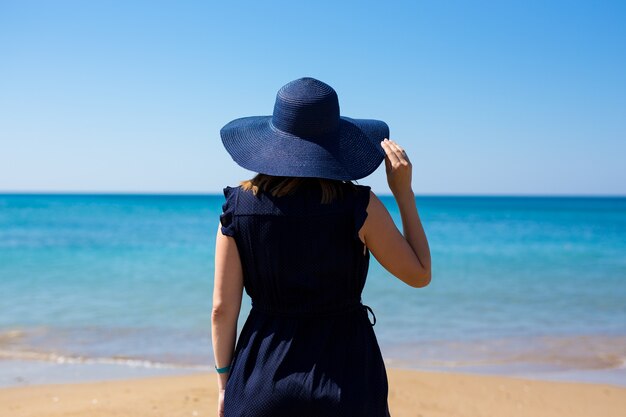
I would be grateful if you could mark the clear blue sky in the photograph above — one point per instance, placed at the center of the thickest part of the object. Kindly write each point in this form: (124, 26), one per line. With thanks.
(494, 97)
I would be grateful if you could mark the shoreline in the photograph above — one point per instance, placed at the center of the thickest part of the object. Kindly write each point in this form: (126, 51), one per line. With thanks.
(28, 357)
(411, 393)
(29, 372)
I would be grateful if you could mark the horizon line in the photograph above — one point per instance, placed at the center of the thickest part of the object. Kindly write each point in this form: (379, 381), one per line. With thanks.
(210, 193)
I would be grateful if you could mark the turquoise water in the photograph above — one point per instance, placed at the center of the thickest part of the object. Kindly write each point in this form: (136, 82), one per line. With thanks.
(521, 285)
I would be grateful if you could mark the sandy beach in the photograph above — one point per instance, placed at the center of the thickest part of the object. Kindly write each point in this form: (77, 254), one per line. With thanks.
(412, 393)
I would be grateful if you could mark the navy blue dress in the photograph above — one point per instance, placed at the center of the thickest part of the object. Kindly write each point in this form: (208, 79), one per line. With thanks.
(308, 347)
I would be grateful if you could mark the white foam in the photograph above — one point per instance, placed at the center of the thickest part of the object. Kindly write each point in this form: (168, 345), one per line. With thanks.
(68, 359)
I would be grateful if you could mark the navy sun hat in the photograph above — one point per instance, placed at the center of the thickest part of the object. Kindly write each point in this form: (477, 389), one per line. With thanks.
(306, 136)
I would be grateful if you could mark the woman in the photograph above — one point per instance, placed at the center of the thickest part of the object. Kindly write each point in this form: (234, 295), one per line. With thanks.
(297, 238)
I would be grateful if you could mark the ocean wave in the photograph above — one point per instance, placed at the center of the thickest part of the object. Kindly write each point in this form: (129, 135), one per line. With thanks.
(77, 359)
(17, 344)
(574, 352)
(11, 337)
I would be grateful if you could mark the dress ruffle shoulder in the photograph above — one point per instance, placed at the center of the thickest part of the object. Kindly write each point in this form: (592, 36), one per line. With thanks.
(228, 210)
(360, 207)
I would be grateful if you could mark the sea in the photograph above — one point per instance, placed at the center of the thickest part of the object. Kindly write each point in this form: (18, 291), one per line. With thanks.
(108, 286)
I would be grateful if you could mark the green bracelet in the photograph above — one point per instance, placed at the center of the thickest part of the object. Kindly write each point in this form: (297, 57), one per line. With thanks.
(222, 370)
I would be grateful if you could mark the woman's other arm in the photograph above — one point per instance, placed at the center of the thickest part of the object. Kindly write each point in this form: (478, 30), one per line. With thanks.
(227, 293)
(406, 257)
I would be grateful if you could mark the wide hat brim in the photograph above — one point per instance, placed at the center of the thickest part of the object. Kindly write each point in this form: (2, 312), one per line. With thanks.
(352, 152)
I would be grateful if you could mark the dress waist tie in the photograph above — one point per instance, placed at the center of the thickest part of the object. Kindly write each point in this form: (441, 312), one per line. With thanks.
(343, 310)
(366, 307)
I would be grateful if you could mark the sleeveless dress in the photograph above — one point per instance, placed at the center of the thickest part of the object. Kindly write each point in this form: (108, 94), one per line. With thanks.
(308, 347)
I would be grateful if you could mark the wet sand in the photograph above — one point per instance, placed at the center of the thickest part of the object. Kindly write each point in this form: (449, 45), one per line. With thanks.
(412, 393)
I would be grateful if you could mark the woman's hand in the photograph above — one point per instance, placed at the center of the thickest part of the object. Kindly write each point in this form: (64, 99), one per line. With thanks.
(220, 403)
(398, 167)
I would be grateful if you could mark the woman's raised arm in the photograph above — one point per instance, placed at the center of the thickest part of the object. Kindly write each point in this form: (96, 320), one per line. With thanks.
(405, 256)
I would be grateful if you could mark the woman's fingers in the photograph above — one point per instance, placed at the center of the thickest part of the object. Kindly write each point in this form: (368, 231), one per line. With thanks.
(395, 145)
(398, 167)
(402, 156)
(390, 152)
(396, 154)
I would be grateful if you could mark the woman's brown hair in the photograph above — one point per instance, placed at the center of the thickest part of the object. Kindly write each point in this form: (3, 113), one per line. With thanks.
(281, 186)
